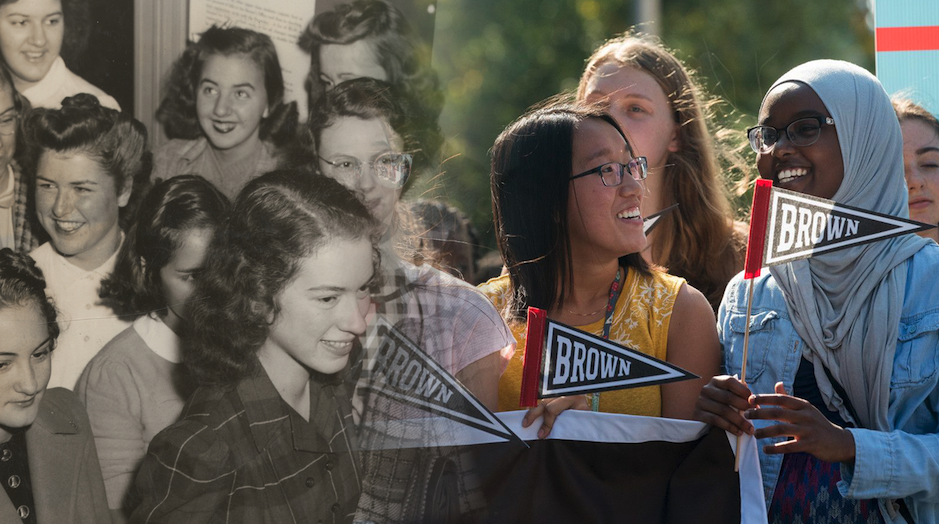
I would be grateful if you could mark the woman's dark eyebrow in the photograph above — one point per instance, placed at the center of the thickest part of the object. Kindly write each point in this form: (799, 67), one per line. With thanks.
(927, 149)
(31, 351)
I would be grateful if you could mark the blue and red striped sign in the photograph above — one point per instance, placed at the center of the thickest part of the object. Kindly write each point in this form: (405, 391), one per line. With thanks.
(907, 49)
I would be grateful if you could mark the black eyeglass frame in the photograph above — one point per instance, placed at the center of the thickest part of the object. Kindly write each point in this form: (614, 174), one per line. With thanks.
(639, 161)
(822, 122)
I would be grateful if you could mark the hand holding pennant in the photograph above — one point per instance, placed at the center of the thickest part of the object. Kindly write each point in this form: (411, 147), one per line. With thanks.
(562, 360)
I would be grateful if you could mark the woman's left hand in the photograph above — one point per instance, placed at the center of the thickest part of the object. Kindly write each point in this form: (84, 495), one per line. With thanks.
(551, 408)
(809, 430)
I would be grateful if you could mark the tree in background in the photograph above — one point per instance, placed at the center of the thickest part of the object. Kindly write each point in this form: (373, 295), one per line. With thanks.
(496, 58)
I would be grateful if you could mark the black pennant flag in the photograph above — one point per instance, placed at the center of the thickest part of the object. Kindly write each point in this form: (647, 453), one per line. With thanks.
(801, 226)
(577, 362)
(402, 371)
(649, 223)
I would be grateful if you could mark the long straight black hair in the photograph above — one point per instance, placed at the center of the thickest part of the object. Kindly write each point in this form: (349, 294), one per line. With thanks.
(531, 168)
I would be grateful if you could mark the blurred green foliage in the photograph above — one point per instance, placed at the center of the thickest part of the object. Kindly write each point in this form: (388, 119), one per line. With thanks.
(496, 58)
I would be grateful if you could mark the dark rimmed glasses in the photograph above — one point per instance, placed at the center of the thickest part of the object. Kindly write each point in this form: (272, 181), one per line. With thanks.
(611, 173)
(391, 169)
(803, 132)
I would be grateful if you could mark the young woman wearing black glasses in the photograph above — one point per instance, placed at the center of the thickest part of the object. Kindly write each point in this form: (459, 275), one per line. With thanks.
(567, 189)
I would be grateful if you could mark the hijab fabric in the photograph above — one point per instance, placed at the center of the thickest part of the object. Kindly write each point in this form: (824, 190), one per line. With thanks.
(846, 305)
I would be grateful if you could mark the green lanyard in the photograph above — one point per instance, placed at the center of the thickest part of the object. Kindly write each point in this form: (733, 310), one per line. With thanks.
(615, 289)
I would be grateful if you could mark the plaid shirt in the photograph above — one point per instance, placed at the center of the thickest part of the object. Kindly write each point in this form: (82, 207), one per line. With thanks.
(24, 222)
(243, 455)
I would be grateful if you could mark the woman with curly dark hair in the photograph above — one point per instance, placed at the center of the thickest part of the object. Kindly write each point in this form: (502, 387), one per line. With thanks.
(224, 109)
(268, 436)
(49, 465)
(32, 35)
(136, 385)
(90, 164)
(370, 39)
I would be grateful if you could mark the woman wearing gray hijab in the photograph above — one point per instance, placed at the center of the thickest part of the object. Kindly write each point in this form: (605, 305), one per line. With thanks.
(842, 372)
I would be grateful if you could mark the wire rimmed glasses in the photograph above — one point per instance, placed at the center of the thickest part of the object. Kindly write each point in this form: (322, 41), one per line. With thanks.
(391, 169)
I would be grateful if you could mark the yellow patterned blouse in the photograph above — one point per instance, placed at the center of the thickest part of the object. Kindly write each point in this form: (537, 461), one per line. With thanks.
(640, 321)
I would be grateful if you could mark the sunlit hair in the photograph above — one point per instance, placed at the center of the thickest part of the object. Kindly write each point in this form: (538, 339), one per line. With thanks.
(177, 111)
(22, 285)
(368, 99)
(697, 240)
(115, 140)
(405, 60)
(530, 182)
(76, 15)
(907, 109)
(277, 221)
(171, 209)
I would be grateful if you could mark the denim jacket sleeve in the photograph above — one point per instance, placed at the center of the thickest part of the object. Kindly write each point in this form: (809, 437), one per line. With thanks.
(905, 462)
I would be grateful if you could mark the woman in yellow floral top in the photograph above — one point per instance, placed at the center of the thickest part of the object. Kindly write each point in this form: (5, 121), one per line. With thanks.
(566, 190)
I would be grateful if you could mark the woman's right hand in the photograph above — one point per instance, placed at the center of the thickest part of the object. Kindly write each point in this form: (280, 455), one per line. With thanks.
(721, 403)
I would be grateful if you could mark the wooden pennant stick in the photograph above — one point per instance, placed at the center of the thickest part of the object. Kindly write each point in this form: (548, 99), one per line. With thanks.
(743, 370)
(756, 242)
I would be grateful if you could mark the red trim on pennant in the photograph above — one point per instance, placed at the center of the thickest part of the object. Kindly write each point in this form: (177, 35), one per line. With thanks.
(534, 354)
(922, 38)
(756, 240)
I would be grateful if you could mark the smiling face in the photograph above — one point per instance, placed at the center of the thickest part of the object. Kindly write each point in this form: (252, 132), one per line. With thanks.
(177, 277)
(604, 222)
(640, 106)
(25, 367)
(322, 310)
(31, 33)
(231, 101)
(78, 206)
(816, 169)
(343, 62)
(921, 167)
(355, 140)
(8, 119)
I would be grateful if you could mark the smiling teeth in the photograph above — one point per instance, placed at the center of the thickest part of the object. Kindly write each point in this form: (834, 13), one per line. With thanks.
(789, 174)
(629, 213)
(68, 226)
(223, 128)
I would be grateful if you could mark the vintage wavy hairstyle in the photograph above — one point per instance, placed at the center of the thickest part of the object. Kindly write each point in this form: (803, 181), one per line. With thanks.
(530, 183)
(76, 15)
(368, 99)
(404, 58)
(115, 140)
(278, 220)
(696, 241)
(177, 111)
(172, 208)
(22, 284)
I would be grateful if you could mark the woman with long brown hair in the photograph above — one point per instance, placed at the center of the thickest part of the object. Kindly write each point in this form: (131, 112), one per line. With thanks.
(665, 112)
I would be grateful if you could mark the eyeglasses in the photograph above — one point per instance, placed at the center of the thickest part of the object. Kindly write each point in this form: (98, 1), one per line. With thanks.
(391, 169)
(8, 124)
(803, 132)
(611, 173)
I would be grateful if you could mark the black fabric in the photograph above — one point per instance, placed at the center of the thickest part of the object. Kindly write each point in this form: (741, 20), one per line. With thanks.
(14, 473)
(806, 387)
(575, 481)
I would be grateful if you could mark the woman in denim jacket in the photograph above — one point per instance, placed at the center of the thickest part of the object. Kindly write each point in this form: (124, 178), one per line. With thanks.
(842, 364)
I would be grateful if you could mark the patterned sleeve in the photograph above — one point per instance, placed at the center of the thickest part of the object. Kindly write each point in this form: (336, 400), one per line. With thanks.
(186, 476)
